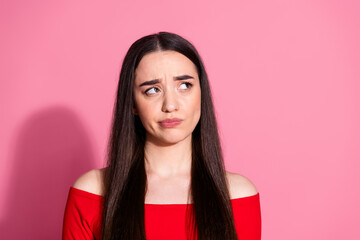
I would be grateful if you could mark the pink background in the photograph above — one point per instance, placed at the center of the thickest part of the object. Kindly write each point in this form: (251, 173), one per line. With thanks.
(285, 79)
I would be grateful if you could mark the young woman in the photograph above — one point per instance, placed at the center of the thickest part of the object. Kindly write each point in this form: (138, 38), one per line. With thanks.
(165, 177)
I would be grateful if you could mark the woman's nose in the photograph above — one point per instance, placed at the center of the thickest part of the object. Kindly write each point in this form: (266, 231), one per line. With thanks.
(170, 101)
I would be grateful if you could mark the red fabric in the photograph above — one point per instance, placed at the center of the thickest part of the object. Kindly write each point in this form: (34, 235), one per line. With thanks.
(162, 221)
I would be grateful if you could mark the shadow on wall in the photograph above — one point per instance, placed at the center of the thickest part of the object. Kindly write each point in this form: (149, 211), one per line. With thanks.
(52, 149)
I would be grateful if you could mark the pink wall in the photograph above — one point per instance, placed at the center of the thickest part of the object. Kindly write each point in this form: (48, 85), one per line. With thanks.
(285, 78)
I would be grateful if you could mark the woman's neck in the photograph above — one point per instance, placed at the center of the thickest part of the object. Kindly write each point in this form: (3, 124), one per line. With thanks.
(168, 160)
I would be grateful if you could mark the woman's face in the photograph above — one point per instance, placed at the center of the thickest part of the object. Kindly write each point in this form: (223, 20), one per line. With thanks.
(167, 86)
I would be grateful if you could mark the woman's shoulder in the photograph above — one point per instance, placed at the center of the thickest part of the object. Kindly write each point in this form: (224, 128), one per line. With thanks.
(91, 181)
(240, 186)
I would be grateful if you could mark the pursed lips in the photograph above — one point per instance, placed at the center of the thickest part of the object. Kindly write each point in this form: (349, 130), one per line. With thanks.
(171, 120)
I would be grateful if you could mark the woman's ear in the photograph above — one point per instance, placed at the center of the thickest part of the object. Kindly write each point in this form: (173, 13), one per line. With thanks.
(135, 111)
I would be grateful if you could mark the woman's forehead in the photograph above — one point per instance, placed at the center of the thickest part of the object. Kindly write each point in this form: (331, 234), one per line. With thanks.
(158, 63)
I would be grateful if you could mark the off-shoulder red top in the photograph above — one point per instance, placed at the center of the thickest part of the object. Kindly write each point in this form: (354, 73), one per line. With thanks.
(162, 221)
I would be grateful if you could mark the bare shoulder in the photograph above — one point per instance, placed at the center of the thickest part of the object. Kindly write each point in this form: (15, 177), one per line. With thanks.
(240, 186)
(91, 181)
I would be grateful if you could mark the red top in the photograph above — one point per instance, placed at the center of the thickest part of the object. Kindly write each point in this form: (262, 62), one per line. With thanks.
(162, 221)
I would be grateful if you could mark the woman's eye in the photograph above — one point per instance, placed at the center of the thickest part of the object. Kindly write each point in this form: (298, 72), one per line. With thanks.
(151, 91)
(188, 85)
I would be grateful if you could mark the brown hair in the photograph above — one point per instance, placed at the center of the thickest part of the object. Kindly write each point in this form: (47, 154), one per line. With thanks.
(125, 176)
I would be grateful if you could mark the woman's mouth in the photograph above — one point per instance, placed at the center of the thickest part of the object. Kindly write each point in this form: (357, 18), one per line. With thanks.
(170, 122)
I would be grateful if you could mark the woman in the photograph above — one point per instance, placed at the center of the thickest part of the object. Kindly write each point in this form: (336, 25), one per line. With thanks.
(165, 177)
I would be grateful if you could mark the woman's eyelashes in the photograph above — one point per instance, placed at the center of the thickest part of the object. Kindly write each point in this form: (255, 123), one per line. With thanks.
(152, 90)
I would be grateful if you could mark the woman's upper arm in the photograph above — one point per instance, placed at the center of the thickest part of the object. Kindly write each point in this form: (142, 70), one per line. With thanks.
(82, 209)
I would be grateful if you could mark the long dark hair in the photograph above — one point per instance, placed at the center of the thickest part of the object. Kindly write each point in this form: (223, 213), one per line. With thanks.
(125, 178)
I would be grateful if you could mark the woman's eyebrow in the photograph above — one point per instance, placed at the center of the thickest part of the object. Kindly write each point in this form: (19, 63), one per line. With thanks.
(183, 77)
(177, 78)
(151, 82)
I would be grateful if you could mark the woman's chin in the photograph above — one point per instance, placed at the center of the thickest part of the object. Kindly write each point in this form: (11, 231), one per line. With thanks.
(168, 140)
